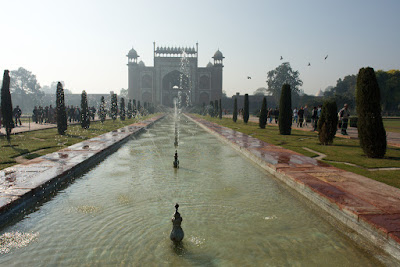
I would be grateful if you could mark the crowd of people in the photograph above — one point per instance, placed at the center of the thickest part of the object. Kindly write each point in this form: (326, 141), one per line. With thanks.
(302, 116)
(48, 114)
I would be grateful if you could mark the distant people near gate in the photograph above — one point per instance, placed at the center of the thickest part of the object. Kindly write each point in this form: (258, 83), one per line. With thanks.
(344, 115)
(17, 112)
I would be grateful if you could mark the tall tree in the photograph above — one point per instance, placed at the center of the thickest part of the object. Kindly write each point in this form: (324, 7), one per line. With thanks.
(61, 112)
(285, 111)
(6, 105)
(371, 132)
(283, 74)
(263, 114)
(114, 106)
(327, 122)
(122, 109)
(211, 109)
(85, 118)
(235, 110)
(129, 113)
(246, 108)
(220, 108)
(216, 108)
(102, 110)
(25, 85)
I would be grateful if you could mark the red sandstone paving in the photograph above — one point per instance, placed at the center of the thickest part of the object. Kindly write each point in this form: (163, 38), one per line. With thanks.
(369, 201)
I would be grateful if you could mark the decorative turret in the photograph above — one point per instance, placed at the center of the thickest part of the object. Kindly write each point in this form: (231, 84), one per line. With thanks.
(132, 56)
(218, 58)
(209, 65)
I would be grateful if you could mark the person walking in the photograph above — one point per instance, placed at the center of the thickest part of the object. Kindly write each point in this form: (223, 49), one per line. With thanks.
(301, 116)
(295, 116)
(344, 115)
(17, 112)
(314, 118)
(276, 113)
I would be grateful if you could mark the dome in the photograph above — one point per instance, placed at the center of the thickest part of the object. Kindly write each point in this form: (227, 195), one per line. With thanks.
(141, 63)
(319, 93)
(218, 55)
(210, 65)
(132, 54)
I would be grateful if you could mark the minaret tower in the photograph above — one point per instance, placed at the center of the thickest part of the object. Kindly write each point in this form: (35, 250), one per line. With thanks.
(133, 75)
(216, 79)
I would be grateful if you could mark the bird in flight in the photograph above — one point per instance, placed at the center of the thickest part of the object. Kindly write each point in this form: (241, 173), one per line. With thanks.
(248, 77)
(309, 64)
(281, 57)
(326, 57)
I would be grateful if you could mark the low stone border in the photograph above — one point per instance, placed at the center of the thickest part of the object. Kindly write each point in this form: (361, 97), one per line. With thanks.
(370, 208)
(24, 184)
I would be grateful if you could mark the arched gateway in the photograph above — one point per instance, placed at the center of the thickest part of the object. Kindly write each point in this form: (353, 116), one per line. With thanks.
(175, 75)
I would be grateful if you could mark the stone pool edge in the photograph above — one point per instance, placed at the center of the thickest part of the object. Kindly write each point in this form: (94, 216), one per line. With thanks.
(23, 184)
(356, 214)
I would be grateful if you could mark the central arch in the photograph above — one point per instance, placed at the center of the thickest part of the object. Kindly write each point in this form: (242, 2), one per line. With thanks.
(173, 79)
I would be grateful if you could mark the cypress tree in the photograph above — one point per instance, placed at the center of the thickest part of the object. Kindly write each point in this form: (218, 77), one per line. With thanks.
(235, 111)
(102, 110)
(6, 105)
(263, 114)
(85, 118)
(122, 109)
(220, 108)
(371, 131)
(61, 112)
(129, 109)
(246, 113)
(139, 107)
(211, 110)
(216, 111)
(285, 111)
(134, 111)
(114, 106)
(327, 123)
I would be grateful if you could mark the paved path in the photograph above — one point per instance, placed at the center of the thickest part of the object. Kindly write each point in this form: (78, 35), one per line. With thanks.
(369, 207)
(393, 139)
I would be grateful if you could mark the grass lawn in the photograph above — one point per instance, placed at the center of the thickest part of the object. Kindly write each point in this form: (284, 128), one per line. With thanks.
(392, 125)
(34, 144)
(343, 150)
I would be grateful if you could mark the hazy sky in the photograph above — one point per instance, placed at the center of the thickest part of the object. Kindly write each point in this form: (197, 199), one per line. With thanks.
(85, 42)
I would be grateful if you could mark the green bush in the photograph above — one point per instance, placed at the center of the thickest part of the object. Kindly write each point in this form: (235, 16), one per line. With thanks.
(371, 131)
(263, 114)
(246, 108)
(285, 111)
(85, 118)
(235, 111)
(61, 112)
(327, 123)
(122, 109)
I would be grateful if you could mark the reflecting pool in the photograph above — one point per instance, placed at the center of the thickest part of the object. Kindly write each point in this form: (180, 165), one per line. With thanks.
(234, 214)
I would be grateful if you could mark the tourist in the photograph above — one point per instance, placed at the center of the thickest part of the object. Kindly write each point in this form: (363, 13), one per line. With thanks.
(301, 117)
(35, 115)
(270, 115)
(276, 113)
(314, 118)
(344, 115)
(305, 116)
(295, 116)
(17, 112)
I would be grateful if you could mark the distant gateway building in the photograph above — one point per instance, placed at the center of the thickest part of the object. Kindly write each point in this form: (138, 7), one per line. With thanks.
(169, 77)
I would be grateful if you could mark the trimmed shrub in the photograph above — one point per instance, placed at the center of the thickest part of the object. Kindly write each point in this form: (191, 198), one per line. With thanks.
(114, 107)
(235, 111)
(122, 109)
(85, 118)
(102, 110)
(129, 113)
(263, 114)
(211, 110)
(220, 109)
(6, 105)
(371, 131)
(285, 111)
(216, 108)
(61, 112)
(246, 108)
(327, 123)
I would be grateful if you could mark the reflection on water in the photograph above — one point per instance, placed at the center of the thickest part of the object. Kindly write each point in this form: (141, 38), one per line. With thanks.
(119, 213)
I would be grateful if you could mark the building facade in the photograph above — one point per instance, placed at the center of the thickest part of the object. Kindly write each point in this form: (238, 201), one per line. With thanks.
(175, 75)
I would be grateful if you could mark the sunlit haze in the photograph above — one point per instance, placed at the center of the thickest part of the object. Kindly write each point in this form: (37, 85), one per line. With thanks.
(85, 43)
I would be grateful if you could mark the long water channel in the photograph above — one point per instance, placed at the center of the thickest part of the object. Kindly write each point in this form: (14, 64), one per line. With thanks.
(234, 214)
